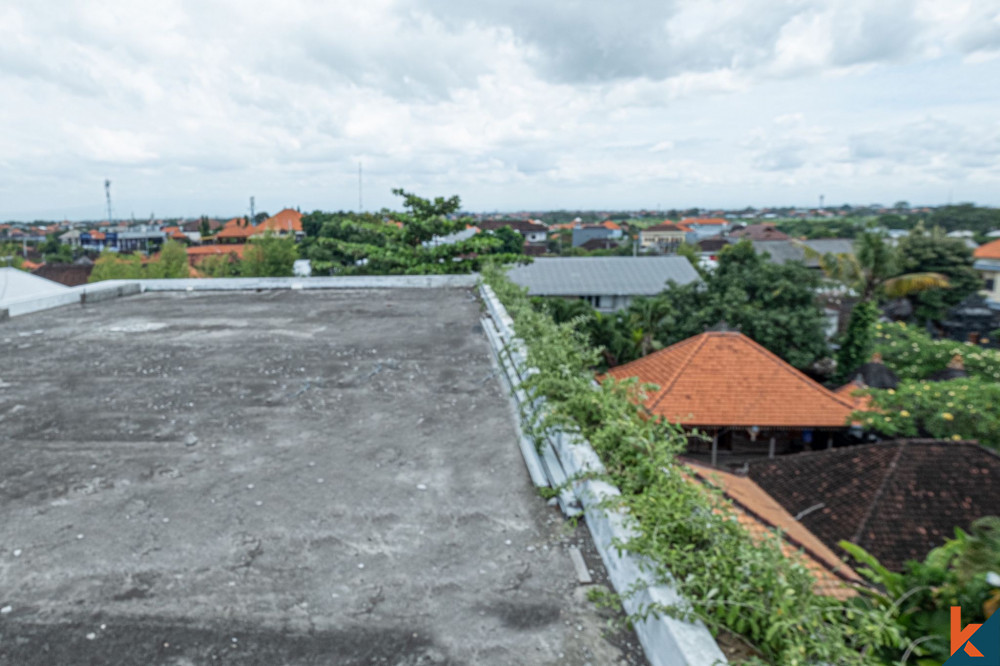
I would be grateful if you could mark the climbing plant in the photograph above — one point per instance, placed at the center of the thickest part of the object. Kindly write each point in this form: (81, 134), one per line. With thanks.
(732, 581)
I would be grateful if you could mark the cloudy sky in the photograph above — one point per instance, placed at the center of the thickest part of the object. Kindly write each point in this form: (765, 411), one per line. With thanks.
(190, 107)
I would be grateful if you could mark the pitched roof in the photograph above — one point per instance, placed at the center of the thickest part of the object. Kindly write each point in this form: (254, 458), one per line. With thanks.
(287, 220)
(759, 513)
(608, 224)
(760, 232)
(989, 250)
(705, 221)
(897, 499)
(235, 228)
(850, 392)
(602, 276)
(666, 226)
(783, 251)
(727, 379)
(198, 252)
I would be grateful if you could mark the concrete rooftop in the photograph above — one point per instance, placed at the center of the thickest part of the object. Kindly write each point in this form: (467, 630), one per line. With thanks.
(281, 477)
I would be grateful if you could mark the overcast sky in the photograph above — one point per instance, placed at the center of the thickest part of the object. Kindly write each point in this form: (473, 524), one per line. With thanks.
(190, 107)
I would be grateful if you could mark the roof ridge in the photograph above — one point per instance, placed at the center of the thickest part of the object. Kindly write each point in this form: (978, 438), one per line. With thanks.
(699, 342)
(889, 472)
(795, 372)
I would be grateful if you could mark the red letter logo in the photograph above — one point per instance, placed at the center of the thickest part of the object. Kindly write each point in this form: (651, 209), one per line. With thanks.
(959, 635)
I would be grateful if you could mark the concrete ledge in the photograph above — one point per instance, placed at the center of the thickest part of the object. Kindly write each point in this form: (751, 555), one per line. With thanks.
(665, 640)
(344, 282)
(108, 289)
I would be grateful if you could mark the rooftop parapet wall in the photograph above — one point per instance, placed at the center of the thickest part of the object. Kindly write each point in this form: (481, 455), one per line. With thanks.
(667, 641)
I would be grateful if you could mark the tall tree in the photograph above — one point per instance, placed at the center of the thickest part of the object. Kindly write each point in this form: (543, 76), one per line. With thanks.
(269, 256)
(933, 251)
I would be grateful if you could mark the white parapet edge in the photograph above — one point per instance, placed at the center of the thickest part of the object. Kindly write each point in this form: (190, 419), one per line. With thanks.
(667, 641)
(97, 291)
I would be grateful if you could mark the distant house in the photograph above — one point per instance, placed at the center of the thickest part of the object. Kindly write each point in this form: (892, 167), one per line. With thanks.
(760, 232)
(615, 228)
(987, 262)
(235, 231)
(665, 237)
(593, 232)
(599, 244)
(71, 237)
(533, 232)
(607, 283)
(747, 401)
(288, 222)
(897, 499)
(704, 227)
(803, 251)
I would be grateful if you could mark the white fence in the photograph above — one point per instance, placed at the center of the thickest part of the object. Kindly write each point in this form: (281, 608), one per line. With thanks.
(561, 456)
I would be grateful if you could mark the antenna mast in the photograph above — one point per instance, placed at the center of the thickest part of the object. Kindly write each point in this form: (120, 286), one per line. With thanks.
(252, 216)
(107, 194)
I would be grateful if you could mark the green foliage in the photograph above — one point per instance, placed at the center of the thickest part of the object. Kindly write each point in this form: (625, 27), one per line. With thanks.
(10, 255)
(775, 304)
(955, 574)
(967, 408)
(848, 227)
(950, 257)
(269, 255)
(859, 339)
(689, 534)
(965, 216)
(394, 243)
(172, 262)
(219, 266)
(113, 266)
(912, 354)
(513, 242)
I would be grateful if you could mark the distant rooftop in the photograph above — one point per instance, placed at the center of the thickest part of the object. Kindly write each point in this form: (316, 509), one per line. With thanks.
(602, 276)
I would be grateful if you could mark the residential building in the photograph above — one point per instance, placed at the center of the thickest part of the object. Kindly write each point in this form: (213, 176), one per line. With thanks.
(760, 232)
(607, 283)
(896, 499)
(236, 231)
(287, 222)
(664, 238)
(743, 400)
(532, 230)
(705, 227)
(987, 262)
(593, 232)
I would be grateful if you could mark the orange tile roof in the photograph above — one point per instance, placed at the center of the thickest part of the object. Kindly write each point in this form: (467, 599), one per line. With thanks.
(234, 229)
(288, 220)
(757, 511)
(667, 225)
(989, 250)
(97, 235)
(861, 402)
(608, 224)
(727, 379)
(200, 251)
(30, 265)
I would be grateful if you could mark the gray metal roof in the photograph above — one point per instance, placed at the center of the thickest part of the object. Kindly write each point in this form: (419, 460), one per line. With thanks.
(602, 276)
(783, 251)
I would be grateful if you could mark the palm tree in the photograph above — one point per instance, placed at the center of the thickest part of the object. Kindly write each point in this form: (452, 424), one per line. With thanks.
(871, 272)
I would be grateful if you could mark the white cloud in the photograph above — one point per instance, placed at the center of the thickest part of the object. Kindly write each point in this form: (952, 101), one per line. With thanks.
(190, 107)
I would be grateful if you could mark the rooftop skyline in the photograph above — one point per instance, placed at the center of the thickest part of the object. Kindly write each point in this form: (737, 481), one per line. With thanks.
(191, 108)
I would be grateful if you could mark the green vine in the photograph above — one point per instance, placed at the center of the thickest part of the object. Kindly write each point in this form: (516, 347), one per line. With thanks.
(689, 535)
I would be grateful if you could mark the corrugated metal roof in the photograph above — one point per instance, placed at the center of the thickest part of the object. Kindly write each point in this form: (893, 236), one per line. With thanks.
(783, 251)
(602, 276)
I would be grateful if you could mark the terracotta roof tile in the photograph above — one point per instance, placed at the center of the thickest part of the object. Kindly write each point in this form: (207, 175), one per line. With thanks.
(898, 499)
(989, 250)
(760, 513)
(288, 220)
(666, 225)
(727, 379)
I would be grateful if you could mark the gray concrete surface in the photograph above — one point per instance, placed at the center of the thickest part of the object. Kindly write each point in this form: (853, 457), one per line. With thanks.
(275, 478)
